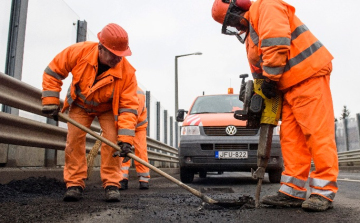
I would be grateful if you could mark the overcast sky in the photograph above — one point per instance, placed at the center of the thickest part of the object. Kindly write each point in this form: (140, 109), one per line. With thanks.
(159, 30)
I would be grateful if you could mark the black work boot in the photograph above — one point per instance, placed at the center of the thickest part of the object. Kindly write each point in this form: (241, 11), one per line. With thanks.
(143, 185)
(73, 193)
(316, 203)
(124, 184)
(282, 200)
(112, 194)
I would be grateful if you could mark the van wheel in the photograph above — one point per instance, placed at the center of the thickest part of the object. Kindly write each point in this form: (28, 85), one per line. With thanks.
(186, 175)
(202, 174)
(275, 176)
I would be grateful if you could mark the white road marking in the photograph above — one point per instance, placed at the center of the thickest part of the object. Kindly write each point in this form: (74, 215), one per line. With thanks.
(347, 179)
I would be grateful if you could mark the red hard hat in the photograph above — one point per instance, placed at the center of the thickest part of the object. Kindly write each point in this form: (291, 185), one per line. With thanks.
(220, 8)
(115, 39)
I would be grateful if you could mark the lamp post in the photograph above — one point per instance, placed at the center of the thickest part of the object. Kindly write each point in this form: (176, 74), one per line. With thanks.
(176, 78)
(176, 93)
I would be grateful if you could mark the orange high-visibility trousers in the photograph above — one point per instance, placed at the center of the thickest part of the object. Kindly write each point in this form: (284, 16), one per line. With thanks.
(75, 170)
(308, 133)
(140, 145)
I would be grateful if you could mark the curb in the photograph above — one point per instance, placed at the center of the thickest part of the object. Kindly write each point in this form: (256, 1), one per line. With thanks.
(9, 174)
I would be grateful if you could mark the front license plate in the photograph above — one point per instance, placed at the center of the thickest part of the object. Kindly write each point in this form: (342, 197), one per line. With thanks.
(231, 154)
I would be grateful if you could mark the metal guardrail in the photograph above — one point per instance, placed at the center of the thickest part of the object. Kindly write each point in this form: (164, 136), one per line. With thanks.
(25, 132)
(349, 158)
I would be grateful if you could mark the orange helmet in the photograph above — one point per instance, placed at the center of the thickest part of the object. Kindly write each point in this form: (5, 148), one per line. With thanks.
(230, 13)
(220, 8)
(114, 38)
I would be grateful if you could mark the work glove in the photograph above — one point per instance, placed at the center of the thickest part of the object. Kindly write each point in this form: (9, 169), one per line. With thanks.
(268, 88)
(51, 110)
(125, 149)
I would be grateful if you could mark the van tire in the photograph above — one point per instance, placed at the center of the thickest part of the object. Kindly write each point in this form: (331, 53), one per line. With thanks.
(202, 174)
(186, 175)
(275, 176)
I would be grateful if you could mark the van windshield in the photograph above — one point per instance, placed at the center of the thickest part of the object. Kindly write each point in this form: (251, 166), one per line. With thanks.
(216, 104)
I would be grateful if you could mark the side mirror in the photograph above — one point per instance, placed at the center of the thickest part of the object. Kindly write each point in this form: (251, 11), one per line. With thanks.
(180, 115)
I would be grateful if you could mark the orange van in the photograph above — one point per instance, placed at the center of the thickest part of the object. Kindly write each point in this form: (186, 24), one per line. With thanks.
(212, 140)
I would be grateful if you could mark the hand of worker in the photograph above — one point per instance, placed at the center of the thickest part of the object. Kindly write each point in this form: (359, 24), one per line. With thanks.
(125, 149)
(51, 110)
(268, 88)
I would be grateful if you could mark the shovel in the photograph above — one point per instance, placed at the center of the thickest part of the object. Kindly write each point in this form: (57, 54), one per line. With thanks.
(203, 197)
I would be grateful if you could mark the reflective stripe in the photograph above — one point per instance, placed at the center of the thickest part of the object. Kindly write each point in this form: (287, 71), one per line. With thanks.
(142, 123)
(299, 30)
(275, 42)
(51, 94)
(86, 109)
(53, 74)
(143, 174)
(303, 55)
(292, 180)
(257, 75)
(144, 179)
(116, 118)
(121, 110)
(125, 175)
(125, 168)
(254, 36)
(128, 132)
(78, 93)
(91, 103)
(68, 95)
(79, 105)
(274, 70)
(140, 92)
(327, 193)
(291, 191)
(321, 183)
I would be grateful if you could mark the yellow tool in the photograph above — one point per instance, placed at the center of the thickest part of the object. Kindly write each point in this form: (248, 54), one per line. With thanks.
(260, 112)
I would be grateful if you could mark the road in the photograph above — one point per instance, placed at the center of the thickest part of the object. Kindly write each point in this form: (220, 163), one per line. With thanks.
(167, 202)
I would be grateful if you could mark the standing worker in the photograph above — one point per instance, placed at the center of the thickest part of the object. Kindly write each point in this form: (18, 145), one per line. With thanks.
(103, 86)
(140, 148)
(287, 56)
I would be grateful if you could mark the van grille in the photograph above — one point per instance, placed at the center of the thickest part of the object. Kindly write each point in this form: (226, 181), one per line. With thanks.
(220, 131)
(231, 146)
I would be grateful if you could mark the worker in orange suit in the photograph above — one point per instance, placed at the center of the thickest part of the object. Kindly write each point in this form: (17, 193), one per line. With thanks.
(140, 145)
(282, 51)
(103, 86)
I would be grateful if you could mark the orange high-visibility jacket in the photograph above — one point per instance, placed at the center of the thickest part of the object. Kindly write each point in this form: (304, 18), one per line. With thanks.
(115, 89)
(142, 122)
(280, 46)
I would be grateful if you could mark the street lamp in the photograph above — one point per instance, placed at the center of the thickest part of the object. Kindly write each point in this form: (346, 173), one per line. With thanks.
(176, 78)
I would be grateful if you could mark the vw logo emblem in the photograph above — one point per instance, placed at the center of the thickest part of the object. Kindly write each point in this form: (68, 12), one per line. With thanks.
(231, 130)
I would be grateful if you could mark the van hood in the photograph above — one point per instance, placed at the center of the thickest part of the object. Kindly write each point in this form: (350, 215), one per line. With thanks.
(213, 119)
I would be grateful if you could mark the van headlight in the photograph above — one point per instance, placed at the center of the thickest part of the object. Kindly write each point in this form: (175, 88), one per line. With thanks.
(190, 130)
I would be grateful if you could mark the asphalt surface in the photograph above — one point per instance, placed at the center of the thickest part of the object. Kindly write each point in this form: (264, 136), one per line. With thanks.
(39, 199)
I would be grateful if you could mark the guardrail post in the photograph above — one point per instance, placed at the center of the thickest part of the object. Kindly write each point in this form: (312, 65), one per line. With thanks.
(358, 126)
(346, 135)
(176, 134)
(148, 112)
(171, 132)
(165, 126)
(158, 120)
(51, 154)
